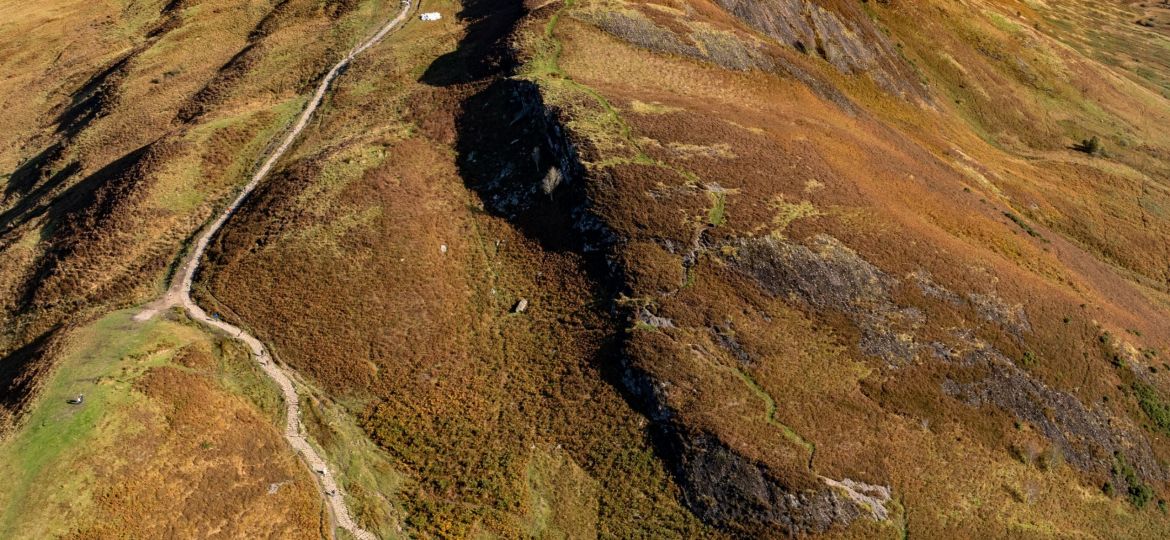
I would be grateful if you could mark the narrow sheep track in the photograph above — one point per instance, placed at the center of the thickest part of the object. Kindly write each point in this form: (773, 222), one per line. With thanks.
(179, 294)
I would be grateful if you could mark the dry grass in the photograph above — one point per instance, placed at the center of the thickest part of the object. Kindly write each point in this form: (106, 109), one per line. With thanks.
(490, 423)
(169, 440)
(900, 193)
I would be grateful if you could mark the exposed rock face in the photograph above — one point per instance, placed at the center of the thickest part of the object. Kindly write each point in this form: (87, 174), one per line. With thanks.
(725, 489)
(826, 275)
(829, 275)
(869, 496)
(516, 154)
(643, 32)
(522, 161)
(730, 491)
(722, 49)
(838, 32)
(1087, 439)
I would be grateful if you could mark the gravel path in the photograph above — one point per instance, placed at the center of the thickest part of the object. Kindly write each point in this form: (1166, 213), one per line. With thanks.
(179, 294)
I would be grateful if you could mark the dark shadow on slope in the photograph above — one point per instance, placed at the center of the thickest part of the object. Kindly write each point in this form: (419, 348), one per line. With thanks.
(32, 204)
(516, 154)
(33, 172)
(82, 212)
(217, 90)
(483, 52)
(20, 371)
(34, 179)
(94, 99)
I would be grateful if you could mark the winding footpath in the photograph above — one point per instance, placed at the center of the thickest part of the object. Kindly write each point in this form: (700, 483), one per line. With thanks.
(179, 294)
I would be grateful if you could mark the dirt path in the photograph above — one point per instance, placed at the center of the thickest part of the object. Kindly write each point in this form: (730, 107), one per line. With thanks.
(179, 294)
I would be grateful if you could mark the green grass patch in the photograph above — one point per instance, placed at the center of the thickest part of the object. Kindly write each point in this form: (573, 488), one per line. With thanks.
(1138, 493)
(770, 412)
(1151, 404)
(1003, 23)
(717, 214)
(43, 462)
(563, 501)
(239, 374)
(1023, 225)
(369, 478)
(49, 474)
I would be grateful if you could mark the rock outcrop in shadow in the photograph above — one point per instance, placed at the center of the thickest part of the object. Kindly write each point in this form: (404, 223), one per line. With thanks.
(518, 155)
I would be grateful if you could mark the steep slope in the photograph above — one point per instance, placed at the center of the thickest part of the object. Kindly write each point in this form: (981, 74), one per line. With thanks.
(107, 179)
(122, 177)
(864, 269)
(787, 267)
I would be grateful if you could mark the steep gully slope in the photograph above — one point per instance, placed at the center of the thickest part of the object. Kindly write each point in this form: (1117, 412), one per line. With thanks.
(742, 207)
(788, 286)
(561, 172)
(180, 291)
(543, 190)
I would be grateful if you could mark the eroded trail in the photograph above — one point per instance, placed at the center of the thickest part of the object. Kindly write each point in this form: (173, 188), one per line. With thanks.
(179, 294)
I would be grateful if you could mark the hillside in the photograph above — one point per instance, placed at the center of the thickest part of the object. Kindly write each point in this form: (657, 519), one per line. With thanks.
(856, 269)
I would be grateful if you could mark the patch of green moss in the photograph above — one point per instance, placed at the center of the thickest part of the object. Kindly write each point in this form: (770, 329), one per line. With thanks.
(1151, 404)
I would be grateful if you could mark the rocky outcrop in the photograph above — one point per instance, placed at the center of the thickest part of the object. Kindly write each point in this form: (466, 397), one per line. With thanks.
(838, 32)
(516, 153)
(827, 276)
(1087, 439)
(736, 494)
(728, 490)
(723, 49)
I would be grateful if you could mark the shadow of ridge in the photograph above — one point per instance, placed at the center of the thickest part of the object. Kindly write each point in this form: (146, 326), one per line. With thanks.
(219, 87)
(33, 172)
(82, 212)
(20, 372)
(483, 51)
(94, 99)
(516, 155)
(32, 205)
(88, 103)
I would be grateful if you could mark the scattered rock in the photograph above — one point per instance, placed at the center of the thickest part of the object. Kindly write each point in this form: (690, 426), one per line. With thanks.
(724, 336)
(840, 33)
(1088, 439)
(867, 496)
(650, 319)
(994, 309)
(746, 498)
(552, 180)
(829, 275)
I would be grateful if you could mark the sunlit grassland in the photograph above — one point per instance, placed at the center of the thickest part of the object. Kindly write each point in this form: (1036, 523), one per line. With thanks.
(49, 474)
